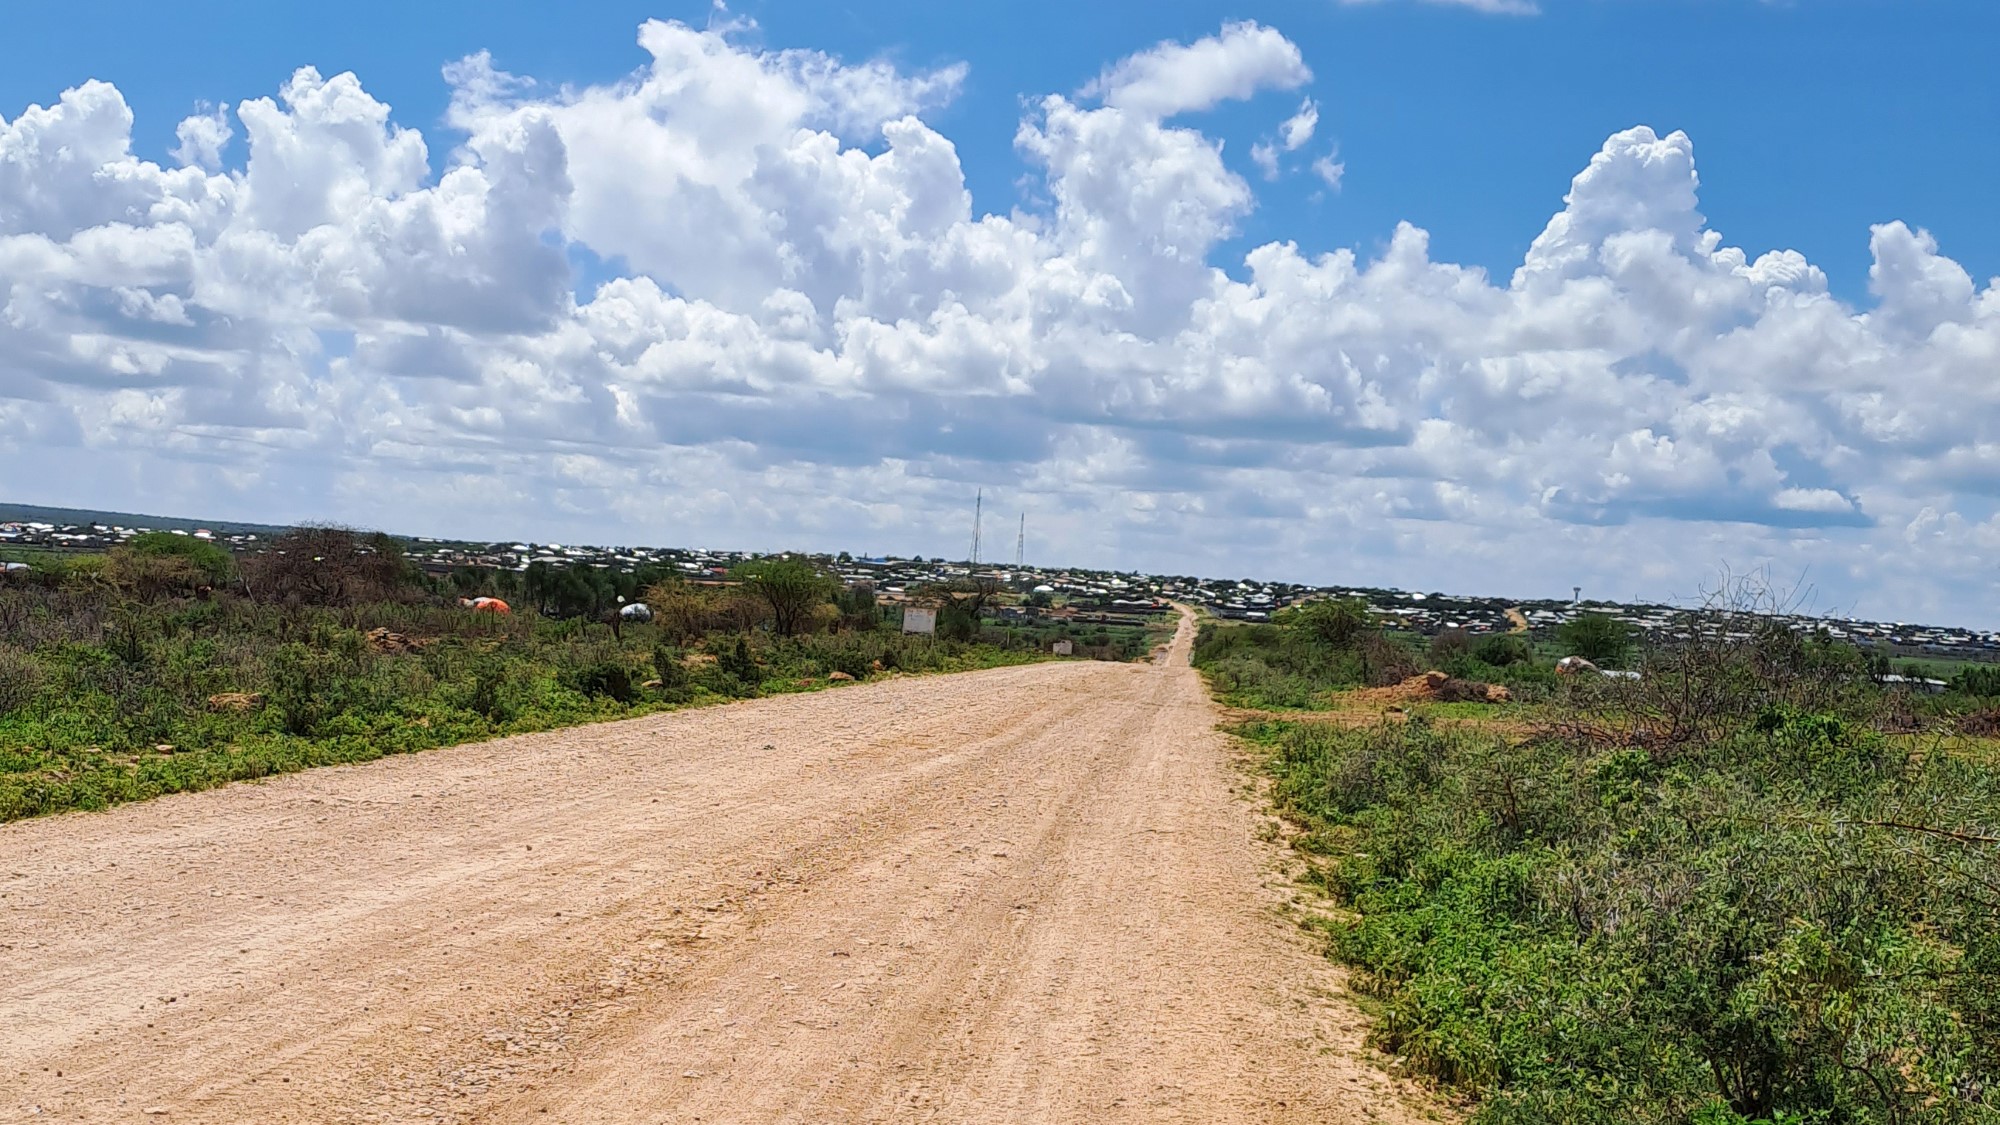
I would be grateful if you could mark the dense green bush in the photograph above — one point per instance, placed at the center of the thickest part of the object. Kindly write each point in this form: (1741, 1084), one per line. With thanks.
(1503, 650)
(21, 680)
(1596, 637)
(1792, 921)
(956, 623)
(295, 691)
(718, 680)
(603, 679)
(1333, 624)
(487, 696)
(670, 668)
(849, 660)
(736, 661)
(1978, 680)
(1273, 666)
(208, 559)
(1309, 653)
(1449, 646)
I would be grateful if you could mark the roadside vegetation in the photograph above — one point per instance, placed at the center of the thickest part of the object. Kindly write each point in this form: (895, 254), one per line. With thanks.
(1750, 885)
(170, 665)
(1322, 647)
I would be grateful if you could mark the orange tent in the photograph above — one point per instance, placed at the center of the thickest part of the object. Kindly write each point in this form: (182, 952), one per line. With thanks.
(486, 605)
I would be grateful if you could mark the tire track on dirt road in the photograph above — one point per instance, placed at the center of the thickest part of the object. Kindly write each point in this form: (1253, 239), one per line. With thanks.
(1030, 894)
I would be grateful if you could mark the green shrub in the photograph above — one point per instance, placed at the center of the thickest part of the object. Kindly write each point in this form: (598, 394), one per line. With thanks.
(125, 636)
(1256, 683)
(1503, 650)
(1597, 637)
(850, 660)
(1737, 931)
(1982, 680)
(668, 668)
(1290, 665)
(1449, 647)
(79, 573)
(308, 687)
(720, 681)
(676, 686)
(603, 679)
(956, 623)
(21, 680)
(737, 662)
(489, 681)
(210, 560)
(1335, 623)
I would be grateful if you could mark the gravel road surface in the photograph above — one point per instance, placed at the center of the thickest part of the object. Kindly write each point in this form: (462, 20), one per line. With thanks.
(1034, 894)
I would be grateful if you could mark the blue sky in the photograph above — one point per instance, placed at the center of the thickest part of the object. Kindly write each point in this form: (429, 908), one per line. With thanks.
(1812, 119)
(1288, 289)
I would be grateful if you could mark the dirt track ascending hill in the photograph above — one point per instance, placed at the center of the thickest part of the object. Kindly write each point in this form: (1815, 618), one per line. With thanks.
(1024, 895)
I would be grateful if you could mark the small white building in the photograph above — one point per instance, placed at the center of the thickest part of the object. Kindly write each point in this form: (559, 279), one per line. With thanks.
(1064, 647)
(919, 619)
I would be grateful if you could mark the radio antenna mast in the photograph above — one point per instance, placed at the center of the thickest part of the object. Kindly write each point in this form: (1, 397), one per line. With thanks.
(978, 501)
(1021, 542)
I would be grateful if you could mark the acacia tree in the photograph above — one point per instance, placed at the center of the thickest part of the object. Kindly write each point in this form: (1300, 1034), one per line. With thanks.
(327, 566)
(1597, 637)
(209, 559)
(971, 595)
(152, 577)
(1337, 623)
(961, 602)
(792, 587)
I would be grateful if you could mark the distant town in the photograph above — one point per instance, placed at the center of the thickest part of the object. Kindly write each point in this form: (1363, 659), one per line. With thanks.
(1111, 592)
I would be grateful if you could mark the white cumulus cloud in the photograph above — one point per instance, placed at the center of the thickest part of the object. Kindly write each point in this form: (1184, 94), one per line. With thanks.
(202, 138)
(1292, 135)
(1298, 128)
(798, 330)
(1330, 170)
(1174, 78)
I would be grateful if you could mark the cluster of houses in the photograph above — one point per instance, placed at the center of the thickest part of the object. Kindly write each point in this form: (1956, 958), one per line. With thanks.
(1085, 595)
(71, 537)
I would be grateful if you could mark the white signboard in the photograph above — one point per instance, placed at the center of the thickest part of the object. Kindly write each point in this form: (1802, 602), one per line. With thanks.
(919, 619)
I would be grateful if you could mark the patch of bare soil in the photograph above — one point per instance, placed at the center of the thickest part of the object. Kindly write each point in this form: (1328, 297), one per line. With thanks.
(384, 640)
(1431, 687)
(1979, 724)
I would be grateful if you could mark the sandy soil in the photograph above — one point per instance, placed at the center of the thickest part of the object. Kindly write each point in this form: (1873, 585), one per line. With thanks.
(1027, 895)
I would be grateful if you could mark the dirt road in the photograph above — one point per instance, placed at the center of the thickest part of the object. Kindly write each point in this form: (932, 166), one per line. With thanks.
(1026, 895)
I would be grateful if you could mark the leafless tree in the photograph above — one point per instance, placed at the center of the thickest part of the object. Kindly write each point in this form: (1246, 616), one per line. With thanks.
(326, 565)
